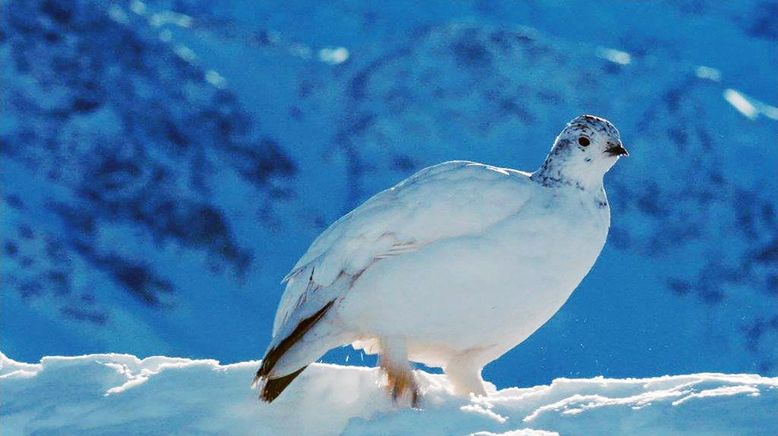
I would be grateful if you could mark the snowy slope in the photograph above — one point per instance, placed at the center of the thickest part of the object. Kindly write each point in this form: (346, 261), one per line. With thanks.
(115, 145)
(120, 394)
(162, 171)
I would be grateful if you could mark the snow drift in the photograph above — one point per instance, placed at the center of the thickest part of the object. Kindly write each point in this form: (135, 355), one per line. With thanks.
(117, 394)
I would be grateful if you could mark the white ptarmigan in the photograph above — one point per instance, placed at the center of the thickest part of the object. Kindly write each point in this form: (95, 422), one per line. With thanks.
(452, 267)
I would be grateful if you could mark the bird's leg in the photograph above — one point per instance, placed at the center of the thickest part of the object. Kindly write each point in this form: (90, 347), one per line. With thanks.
(400, 379)
(465, 376)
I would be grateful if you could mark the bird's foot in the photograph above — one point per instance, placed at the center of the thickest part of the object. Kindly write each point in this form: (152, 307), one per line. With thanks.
(401, 384)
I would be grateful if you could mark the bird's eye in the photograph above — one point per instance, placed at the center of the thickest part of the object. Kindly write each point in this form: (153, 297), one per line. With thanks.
(584, 141)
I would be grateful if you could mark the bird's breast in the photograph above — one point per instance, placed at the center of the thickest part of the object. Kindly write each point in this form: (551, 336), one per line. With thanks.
(499, 285)
(566, 229)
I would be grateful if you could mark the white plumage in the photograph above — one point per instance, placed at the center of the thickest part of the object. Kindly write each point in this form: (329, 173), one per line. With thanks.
(452, 267)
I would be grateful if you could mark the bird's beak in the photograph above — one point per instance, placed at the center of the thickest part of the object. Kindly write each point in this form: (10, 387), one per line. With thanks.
(617, 150)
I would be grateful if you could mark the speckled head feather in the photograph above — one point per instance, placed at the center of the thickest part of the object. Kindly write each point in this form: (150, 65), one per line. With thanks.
(589, 124)
(582, 153)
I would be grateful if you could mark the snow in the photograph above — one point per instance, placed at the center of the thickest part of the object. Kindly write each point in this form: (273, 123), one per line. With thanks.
(333, 56)
(739, 102)
(615, 56)
(119, 393)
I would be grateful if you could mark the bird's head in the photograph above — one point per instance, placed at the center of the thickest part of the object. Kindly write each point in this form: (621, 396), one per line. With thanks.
(583, 152)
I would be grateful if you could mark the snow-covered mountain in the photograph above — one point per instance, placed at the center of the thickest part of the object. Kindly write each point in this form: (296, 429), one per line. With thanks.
(114, 147)
(121, 394)
(165, 163)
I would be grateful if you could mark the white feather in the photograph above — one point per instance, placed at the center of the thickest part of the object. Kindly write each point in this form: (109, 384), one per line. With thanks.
(457, 264)
(400, 220)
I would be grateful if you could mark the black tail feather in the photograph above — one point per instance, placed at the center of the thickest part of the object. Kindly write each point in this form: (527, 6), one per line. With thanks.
(273, 387)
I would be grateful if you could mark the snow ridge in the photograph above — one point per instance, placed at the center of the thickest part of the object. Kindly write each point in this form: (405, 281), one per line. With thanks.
(117, 393)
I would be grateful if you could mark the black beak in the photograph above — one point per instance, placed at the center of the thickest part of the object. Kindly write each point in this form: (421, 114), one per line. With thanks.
(617, 150)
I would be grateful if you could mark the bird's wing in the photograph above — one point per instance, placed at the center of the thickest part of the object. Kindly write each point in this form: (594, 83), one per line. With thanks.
(443, 201)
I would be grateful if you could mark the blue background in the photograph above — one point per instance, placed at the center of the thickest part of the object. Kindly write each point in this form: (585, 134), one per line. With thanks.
(164, 164)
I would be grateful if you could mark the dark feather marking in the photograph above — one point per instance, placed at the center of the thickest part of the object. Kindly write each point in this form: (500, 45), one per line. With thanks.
(275, 353)
(275, 386)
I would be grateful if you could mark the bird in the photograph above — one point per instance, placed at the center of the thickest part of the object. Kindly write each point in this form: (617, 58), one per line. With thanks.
(452, 267)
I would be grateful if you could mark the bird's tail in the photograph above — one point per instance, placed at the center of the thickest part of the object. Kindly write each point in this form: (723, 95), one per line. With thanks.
(272, 378)
(270, 388)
